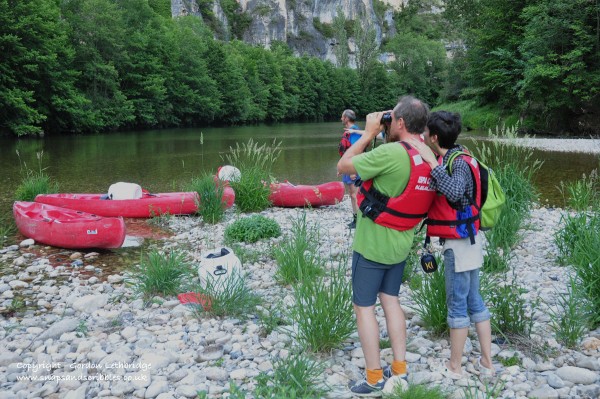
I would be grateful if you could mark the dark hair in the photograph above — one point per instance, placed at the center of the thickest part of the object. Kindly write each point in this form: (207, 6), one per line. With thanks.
(414, 112)
(348, 113)
(446, 126)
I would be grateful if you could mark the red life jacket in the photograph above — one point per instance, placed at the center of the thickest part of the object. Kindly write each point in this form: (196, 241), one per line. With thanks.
(344, 143)
(447, 221)
(406, 210)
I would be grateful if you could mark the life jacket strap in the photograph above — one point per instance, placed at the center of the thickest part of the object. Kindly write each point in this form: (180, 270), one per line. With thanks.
(378, 204)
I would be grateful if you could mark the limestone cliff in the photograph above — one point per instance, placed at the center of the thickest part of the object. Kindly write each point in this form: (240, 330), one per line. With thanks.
(305, 25)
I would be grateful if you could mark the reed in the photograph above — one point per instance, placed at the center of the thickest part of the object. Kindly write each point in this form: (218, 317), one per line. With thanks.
(34, 182)
(510, 316)
(7, 229)
(211, 207)
(417, 391)
(323, 311)
(583, 193)
(297, 255)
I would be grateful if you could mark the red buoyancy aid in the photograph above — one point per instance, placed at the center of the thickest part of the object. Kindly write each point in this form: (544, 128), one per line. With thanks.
(406, 210)
(445, 221)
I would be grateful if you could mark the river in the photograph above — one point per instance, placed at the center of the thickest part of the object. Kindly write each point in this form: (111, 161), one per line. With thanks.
(166, 160)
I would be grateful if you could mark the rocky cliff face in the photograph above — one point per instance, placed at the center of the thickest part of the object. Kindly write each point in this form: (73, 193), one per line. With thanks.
(299, 23)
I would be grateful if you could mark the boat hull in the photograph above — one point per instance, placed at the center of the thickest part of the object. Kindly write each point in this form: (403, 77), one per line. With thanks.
(290, 195)
(66, 228)
(150, 205)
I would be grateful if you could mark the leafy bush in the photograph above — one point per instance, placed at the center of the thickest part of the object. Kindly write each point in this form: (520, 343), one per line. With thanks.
(229, 297)
(251, 229)
(323, 311)
(211, 206)
(161, 274)
(297, 256)
(571, 319)
(430, 298)
(34, 182)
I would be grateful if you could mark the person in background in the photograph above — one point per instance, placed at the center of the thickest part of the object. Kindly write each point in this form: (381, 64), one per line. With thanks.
(348, 120)
(393, 182)
(454, 217)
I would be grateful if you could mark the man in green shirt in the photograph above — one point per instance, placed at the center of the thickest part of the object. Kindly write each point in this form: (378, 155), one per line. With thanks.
(380, 252)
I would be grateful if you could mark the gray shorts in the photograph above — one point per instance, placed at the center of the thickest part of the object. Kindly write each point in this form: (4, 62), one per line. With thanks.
(370, 278)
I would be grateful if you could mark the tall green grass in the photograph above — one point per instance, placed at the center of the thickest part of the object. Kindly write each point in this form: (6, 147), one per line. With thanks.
(510, 316)
(323, 311)
(297, 255)
(161, 274)
(211, 206)
(417, 392)
(34, 182)
(255, 163)
(578, 243)
(7, 229)
(570, 320)
(430, 300)
(582, 194)
(514, 167)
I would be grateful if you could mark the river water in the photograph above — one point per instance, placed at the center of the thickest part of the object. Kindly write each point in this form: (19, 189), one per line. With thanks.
(166, 160)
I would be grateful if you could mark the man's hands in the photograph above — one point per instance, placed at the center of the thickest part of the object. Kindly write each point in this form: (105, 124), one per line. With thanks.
(373, 125)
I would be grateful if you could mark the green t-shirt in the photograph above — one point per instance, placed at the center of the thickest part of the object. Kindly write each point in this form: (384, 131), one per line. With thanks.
(389, 167)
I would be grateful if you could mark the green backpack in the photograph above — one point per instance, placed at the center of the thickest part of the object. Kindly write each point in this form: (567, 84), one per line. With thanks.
(492, 195)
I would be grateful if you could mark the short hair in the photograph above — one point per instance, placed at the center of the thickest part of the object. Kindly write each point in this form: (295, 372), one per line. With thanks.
(446, 126)
(414, 112)
(348, 113)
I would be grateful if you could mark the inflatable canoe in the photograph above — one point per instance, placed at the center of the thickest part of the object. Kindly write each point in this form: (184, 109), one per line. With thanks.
(290, 195)
(150, 205)
(66, 228)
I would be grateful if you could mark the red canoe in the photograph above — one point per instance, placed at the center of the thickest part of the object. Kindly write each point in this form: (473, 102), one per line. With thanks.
(149, 205)
(290, 195)
(65, 228)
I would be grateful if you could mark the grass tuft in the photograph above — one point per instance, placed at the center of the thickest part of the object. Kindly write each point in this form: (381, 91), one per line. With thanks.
(429, 294)
(297, 256)
(7, 229)
(323, 311)
(34, 182)
(161, 274)
(417, 392)
(211, 206)
(582, 194)
(571, 318)
(229, 297)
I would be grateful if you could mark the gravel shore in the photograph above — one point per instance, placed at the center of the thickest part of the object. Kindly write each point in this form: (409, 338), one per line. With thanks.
(87, 335)
(589, 146)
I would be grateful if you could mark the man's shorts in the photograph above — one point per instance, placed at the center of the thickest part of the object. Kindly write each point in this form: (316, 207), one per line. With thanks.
(370, 278)
(347, 180)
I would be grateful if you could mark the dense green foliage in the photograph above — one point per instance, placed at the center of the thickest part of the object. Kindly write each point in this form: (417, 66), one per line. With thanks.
(101, 65)
(541, 58)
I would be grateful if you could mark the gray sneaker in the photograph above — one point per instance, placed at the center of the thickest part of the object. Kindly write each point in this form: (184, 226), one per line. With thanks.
(363, 388)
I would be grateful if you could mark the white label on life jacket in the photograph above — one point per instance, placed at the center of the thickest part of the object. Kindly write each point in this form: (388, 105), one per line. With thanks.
(473, 161)
(417, 160)
(92, 231)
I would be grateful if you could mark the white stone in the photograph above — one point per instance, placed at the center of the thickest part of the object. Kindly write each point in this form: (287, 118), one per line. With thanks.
(89, 303)
(189, 391)
(16, 284)
(544, 392)
(216, 374)
(26, 243)
(577, 375)
(156, 388)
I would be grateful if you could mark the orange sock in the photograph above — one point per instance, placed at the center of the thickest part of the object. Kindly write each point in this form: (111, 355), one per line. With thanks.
(399, 367)
(373, 376)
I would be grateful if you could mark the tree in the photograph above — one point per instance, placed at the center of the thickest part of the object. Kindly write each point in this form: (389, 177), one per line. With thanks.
(367, 49)
(340, 37)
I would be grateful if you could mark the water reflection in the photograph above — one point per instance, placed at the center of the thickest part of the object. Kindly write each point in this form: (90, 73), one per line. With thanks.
(166, 160)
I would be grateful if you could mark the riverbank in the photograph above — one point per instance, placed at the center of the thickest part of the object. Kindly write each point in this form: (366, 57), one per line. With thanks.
(85, 334)
(589, 146)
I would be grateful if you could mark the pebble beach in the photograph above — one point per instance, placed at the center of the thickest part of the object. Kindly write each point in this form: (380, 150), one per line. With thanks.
(86, 333)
